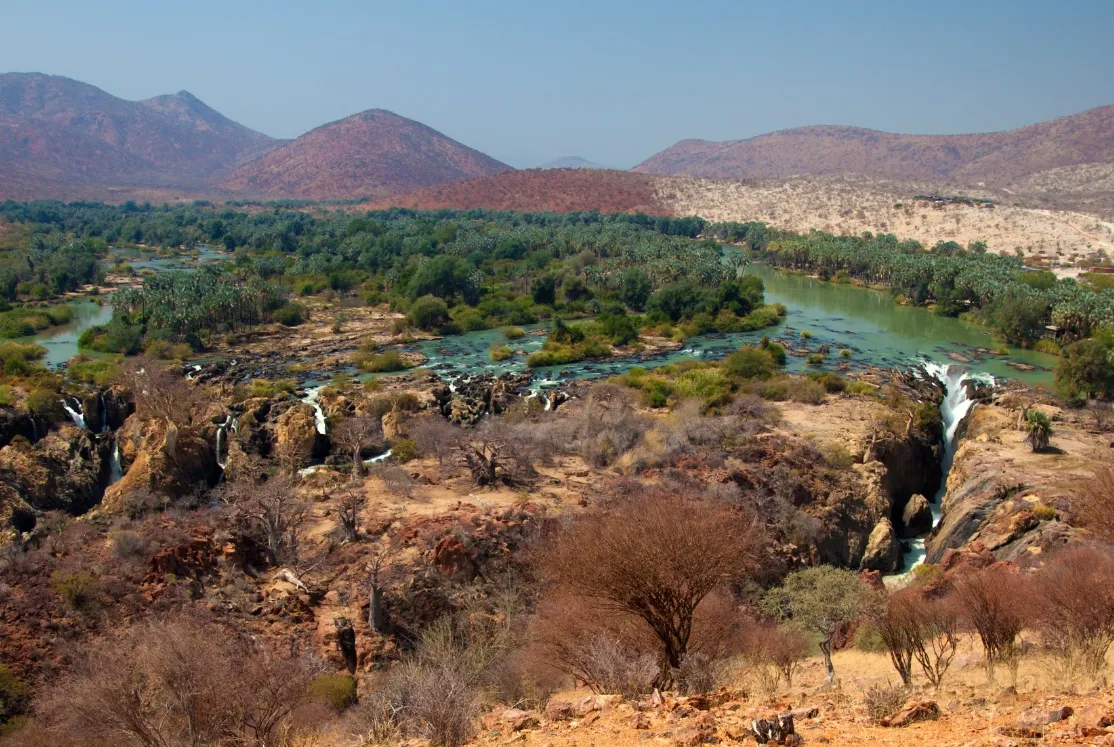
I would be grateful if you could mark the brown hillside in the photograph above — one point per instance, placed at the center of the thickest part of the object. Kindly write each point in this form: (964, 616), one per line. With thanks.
(372, 154)
(59, 136)
(991, 158)
(539, 190)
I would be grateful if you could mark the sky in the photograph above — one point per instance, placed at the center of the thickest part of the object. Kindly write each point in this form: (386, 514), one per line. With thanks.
(613, 81)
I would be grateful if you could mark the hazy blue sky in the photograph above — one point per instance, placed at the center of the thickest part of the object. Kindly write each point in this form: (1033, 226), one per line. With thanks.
(613, 81)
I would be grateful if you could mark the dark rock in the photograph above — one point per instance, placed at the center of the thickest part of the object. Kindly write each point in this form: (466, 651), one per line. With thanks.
(883, 552)
(916, 519)
(926, 710)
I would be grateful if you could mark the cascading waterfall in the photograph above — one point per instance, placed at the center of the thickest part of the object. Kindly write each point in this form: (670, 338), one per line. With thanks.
(77, 416)
(115, 469)
(104, 416)
(953, 409)
(229, 423)
(318, 413)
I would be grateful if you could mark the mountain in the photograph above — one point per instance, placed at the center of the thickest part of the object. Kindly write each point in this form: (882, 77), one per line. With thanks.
(373, 154)
(540, 190)
(60, 137)
(995, 158)
(571, 162)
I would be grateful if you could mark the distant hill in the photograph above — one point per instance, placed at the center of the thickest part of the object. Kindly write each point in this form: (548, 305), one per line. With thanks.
(59, 137)
(372, 154)
(995, 158)
(572, 162)
(539, 190)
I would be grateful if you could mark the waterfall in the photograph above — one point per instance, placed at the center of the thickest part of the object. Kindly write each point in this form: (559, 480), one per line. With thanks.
(115, 470)
(229, 422)
(953, 409)
(318, 413)
(104, 416)
(382, 457)
(77, 416)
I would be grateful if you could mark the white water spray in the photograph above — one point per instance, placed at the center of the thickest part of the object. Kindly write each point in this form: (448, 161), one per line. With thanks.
(955, 406)
(318, 413)
(77, 416)
(222, 429)
(115, 469)
(104, 416)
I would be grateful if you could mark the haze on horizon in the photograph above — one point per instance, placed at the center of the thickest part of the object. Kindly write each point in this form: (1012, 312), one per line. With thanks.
(611, 82)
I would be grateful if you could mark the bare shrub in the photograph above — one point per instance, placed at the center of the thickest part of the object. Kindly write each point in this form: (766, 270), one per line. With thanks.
(613, 668)
(177, 681)
(893, 618)
(653, 557)
(777, 649)
(936, 646)
(1074, 599)
(352, 503)
(994, 603)
(396, 480)
(435, 437)
(495, 454)
(883, 701)
(1094, 504)
(607, 426)
(128, 544)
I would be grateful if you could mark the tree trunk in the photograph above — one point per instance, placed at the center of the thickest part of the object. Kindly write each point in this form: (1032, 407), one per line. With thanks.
(826, 649)
(357, 463)
(376, 614)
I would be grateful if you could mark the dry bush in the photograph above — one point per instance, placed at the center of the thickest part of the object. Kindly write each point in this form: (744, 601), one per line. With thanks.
(435, 436)
(354, 434)
(776, 652)
(396, 479)
(1095, 504)
(994, 602)
(653, 557)
(495, 452)
(270, 512)
(914, 627)
(176, 681)
(1074, 599)
(883, 701)
(160, 392)
(607, 426)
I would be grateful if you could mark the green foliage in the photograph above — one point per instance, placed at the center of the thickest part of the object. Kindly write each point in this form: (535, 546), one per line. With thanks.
(380, 362)
(1039, 429)
(832, 383)
(1086, 370)
(269, 388)
(815, 359)
(115, 337)
(77, 589)
(512, 333)
(501, 353)
(636, 288)
(1019, 316)
(21, 358)
(26, 321)
(428, 312)
(85, 370)
(165, 350)
(45, 404)
(15, 695)
(5, 395)
(404, 450)
(338, 691)
(291, 314)
(750, 362)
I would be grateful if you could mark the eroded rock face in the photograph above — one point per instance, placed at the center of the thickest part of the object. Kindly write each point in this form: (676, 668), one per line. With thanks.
(63, 471)
(468, 401)
(916, 519)
(296, 435)
(14, 423)
(883, 550)
(170, 462)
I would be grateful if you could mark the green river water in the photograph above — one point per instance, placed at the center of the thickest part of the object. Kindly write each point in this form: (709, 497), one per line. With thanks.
(867, 322)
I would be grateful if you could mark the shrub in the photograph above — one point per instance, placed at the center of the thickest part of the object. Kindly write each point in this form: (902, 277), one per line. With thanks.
(127, 544)
(44, 403)
(780, 649)
(404, 450)
(837, 456)
(805, 391)
(269, 388)
(15, 695)
(845, 353)
(380, 362)
(815, 359)
(994, 603)
(428, 312)
(336, 690)
(82, 369)
(290, 315)
(501, 353)
(513, 333)
(750, 363)
(1075, 608)
(77, 589)
(1094, 504)
(883, 701)
(1039, 429)
(21, 358)
(832, 383)
(166, 350)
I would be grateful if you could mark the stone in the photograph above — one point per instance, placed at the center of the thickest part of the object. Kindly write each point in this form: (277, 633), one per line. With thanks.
(1038, 718)
(559, 710)
(925, 710)
(296, 433)
(640, 722)
(883, 551)
(518, 719)
(916, 519)
(1094, 717)
(64, 471)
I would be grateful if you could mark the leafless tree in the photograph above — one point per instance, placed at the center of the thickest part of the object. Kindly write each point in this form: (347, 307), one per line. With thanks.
(1074, 599)
(161, 393)
(938, 642)
(492, 455)
(436, 437)
(994, 602)
(396, 480)
(379, 567)
(1094, 504)
(270, 511)
(654, 557)
(352, 503)
(356, 433)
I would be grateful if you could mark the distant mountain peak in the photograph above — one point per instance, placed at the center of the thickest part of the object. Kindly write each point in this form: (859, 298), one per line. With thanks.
(572, 162)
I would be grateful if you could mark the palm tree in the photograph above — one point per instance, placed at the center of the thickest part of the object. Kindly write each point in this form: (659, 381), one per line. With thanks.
(1039, 429)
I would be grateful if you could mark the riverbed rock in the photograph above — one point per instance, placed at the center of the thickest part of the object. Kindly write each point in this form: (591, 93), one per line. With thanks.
(296, 434)
(916, 519)
(16, 423)
(883, 551)
(151, 468)
(926, 710)
(63, 471)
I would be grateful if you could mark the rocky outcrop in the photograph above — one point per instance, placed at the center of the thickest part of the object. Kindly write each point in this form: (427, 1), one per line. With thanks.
(883, 551)
(296, 436)
(17, 423)
(63, 471)
(466, 401)
(171, 467)
(916, 518)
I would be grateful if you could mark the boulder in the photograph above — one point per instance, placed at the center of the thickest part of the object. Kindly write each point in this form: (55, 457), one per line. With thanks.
(883, 551)
(1036, 719)
(13, 423)
(64, 471)
(916, 519)
(925, 710)
(167, 463)
(517, 719)
(1094, 717)
(560, 710)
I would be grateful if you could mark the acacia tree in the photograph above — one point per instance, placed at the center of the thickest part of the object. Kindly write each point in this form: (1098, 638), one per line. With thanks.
(653, 557)
(820, 600)
(271, 511)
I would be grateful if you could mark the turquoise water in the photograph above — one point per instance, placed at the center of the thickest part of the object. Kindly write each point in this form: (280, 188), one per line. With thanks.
(61, 342)
(867, 322)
